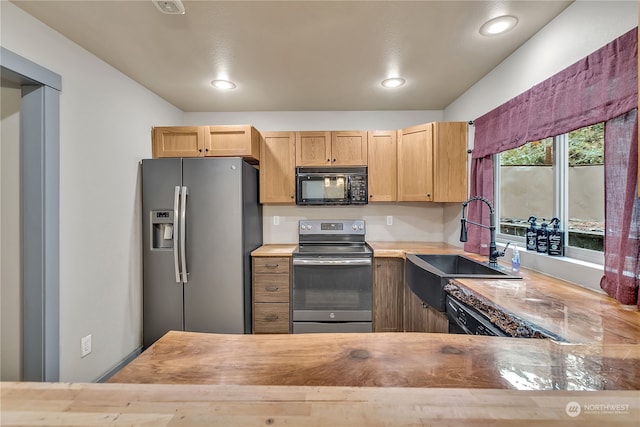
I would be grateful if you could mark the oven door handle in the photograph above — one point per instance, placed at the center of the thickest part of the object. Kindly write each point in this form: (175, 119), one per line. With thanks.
(332, 261)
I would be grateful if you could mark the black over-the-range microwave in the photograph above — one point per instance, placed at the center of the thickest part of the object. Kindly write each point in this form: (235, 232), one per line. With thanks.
(331, 185)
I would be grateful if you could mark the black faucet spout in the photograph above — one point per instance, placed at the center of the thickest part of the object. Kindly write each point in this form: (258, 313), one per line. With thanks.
(493, 251)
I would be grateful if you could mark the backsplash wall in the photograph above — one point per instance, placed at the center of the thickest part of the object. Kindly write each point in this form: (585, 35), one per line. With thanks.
(411, 221)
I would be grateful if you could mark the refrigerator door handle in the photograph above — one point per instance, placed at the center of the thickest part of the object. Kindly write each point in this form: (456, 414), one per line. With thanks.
(183, 232)
(176, 264)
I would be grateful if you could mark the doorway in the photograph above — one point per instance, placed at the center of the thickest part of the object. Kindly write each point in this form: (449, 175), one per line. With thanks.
(30, 259)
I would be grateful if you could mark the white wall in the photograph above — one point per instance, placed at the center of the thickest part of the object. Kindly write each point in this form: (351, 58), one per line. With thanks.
(105, 123)
(579, 30)
(10, 267)
(582, 28)
(271, 121)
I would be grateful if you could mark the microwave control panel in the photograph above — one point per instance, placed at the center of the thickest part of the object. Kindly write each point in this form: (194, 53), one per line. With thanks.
(359, 189)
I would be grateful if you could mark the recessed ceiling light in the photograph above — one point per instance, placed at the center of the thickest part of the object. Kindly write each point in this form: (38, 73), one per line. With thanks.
(170, 7)
(498, 25)
(223, 84)
(393, 82)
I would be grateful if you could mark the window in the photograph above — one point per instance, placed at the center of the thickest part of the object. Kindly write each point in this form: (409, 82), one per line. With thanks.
(559, 177)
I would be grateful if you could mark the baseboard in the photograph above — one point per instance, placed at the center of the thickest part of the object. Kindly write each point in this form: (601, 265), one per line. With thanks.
(111, 372)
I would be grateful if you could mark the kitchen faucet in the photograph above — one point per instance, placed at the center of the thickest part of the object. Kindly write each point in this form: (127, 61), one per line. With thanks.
(493, 251)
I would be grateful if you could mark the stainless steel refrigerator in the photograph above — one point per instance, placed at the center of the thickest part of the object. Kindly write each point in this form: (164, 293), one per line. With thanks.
(201, 220)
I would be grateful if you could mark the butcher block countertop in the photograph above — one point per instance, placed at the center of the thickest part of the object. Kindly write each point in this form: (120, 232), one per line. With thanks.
(280, 249)
(401, 249)
(160, 405)
(380, 249)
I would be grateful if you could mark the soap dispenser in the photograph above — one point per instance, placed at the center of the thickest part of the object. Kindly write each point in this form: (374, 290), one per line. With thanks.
(515, 259)
(542, 238)
(532, 234)
(556, 238)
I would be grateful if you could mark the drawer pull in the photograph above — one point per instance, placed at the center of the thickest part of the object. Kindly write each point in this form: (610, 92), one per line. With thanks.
(271, 317)
(271, 288)
(271, 265)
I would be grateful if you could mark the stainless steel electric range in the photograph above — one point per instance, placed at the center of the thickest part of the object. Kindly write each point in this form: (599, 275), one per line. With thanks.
(332, 277)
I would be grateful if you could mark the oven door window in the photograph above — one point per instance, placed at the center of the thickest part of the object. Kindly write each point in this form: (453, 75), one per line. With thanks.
(318, 287)
(331, 188)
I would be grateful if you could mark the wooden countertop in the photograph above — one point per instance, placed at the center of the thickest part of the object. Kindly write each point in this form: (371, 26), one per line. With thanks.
(159, 405)
(523, 307)
(380, 249)
(273, 249)
(384, 360)
(575, 314)
(401, 249)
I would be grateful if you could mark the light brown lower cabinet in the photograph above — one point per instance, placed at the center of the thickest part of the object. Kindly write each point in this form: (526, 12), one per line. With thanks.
(271, 293)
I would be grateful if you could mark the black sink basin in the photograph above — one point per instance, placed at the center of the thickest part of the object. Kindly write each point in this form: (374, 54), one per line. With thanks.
(426, 275)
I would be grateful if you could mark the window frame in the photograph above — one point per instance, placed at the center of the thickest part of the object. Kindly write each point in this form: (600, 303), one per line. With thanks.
(560, 166)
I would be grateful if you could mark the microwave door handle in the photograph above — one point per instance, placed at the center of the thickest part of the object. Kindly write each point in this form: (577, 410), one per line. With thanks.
(176, 226)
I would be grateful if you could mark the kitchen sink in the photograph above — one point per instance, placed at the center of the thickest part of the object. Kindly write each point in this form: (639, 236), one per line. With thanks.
(427, 274)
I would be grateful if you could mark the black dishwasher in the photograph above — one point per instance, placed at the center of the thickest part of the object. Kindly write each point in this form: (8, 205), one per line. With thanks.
(464, 319)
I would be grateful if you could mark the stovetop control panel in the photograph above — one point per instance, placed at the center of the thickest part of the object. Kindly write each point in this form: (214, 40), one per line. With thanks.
(332, 227)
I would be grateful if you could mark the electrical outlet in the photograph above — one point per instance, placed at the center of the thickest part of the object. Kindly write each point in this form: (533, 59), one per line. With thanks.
(85, 344)
(276, 220)
(389, 220)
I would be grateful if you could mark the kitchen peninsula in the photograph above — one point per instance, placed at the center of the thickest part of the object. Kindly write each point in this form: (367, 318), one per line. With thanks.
(378, 379)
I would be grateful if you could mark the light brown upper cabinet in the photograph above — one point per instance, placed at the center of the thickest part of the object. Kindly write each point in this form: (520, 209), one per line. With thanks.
(341, 148)
(277, 168)
(212, 141)
(383, 168)
(177, 141)
(233, 141)
(432, 162)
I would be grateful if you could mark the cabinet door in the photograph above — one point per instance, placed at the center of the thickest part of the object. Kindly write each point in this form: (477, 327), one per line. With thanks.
(313, 148)
(388, 294)
(349, 148)
(277, 168)
(177, 141)
(233, 141)
(450, 162)
(420, 317)
(415, 164)
(383, 166)
(415, 316)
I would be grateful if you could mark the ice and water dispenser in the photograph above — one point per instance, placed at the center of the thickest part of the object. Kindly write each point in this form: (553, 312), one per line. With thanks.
(162, 229)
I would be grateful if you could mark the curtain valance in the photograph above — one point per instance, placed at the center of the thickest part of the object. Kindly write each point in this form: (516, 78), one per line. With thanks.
(595, 89)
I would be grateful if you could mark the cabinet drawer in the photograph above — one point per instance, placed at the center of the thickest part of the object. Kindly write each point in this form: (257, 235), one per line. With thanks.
(271, 318)
(271, 288)
(271, 265)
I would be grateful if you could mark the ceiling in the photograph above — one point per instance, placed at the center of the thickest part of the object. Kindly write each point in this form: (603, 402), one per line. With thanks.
(298, 55)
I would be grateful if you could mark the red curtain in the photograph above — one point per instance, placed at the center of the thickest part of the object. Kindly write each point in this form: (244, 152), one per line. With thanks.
(598, 88)
(622, 209)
